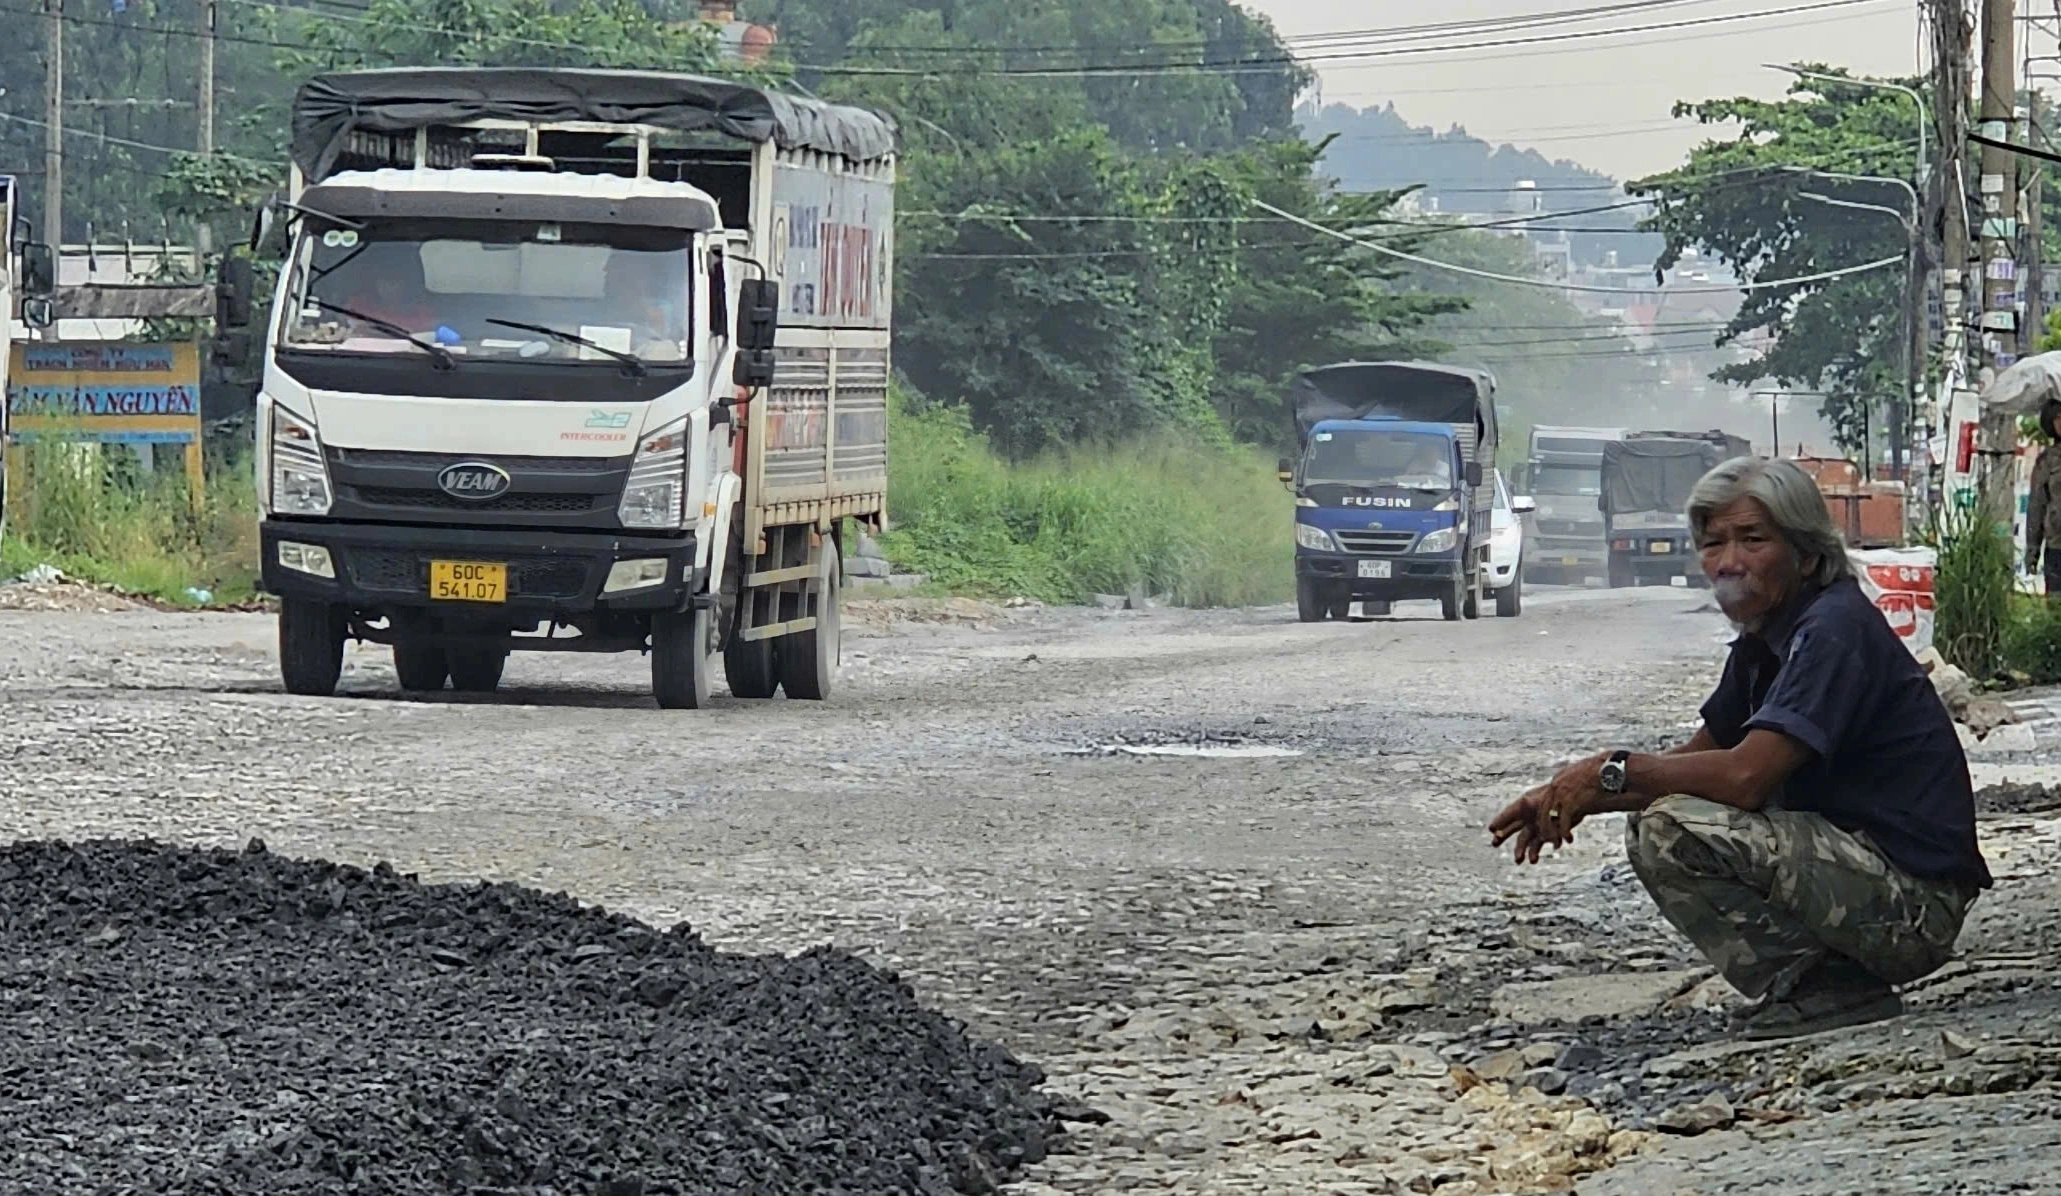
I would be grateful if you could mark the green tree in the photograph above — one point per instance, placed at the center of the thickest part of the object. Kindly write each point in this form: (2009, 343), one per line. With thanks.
(1742, 198)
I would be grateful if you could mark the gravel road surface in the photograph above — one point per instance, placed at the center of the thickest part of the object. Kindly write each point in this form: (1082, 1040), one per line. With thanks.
(1221, 875)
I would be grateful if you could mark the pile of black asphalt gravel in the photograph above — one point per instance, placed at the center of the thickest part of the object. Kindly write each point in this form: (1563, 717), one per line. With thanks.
(242, 1024)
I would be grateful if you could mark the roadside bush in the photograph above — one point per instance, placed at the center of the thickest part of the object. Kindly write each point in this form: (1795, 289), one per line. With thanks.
(1972, 588)
(2032, 639)
(1204, 526)
(90, 513)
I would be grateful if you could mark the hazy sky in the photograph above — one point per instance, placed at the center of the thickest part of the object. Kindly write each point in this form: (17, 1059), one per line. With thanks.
(1601, 101)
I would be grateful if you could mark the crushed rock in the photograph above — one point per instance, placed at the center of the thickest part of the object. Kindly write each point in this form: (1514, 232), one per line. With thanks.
(212, 1022)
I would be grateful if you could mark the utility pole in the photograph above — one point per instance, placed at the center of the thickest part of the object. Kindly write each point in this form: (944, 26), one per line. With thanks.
(204, 236)
(1997, 440)
(1947, 21)
(53, 124)
(2031, 266)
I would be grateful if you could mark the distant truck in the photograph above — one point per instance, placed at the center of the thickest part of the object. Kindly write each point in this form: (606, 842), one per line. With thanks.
(1565, 472)
(570, 360)
(1646, 480)
(1394, 487)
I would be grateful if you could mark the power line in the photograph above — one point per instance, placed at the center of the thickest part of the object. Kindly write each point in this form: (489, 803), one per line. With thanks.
(1246, 65)
(1519, 280)
(1315, 40)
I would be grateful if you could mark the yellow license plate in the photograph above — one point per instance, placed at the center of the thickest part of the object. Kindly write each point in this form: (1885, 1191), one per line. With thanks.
(1661, 546)
(468, 581)
(1570, 560)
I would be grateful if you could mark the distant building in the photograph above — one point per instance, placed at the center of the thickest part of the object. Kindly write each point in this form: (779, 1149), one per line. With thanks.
(741, 41)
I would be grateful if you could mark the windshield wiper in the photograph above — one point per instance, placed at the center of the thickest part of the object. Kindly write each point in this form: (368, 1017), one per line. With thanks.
(444, 359)
(631, 362)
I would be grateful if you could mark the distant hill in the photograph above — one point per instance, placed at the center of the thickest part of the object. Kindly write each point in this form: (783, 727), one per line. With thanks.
(1377, 149)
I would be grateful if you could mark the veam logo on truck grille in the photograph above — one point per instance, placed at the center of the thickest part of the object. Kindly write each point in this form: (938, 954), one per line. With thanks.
(475, 481)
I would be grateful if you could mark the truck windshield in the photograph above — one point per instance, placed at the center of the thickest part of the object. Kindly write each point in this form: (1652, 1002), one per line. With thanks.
(459, 283)
(1403, 460)
(1586, 482)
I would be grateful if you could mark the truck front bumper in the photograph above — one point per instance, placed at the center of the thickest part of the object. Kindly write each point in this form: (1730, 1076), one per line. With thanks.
(1549, 552)
(385, 568)
(1408, 576)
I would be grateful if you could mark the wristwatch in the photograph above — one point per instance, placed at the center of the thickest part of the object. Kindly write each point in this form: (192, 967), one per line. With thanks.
(1613, 778)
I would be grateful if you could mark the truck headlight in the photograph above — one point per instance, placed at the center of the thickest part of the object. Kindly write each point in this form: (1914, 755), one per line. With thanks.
(1316, 539)
(300, 479)
(656, 494)
(1444, 539)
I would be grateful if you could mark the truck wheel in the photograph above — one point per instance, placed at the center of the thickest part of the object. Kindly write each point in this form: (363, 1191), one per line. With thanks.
(477, 670)
(1620, 573)
(1341, 605)
(311, 643)
(750, 668)
(1309, 603)
(807, 663)
(1510, 599)
(420, 665)
(1454, 599)
(682, 646)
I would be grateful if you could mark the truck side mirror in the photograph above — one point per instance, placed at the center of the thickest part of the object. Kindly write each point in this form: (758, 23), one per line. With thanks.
(758, 316)
(233, 293)
(268, 230)
(1474, 473)
(38, 313)
(754, 368)
(230, 350)
(1285, 470)
(38, 270)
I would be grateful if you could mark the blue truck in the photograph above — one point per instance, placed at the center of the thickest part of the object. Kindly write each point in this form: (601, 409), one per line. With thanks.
(1394, 485)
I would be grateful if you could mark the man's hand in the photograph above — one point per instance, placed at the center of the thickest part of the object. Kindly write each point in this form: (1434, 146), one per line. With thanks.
(1549, 813)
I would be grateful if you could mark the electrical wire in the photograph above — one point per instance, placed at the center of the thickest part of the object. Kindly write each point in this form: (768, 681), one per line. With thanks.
(1519, 280)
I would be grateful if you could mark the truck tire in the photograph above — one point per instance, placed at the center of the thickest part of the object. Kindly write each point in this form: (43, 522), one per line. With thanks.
(682, 652)
(311, 644)
(477, 670)
(1456, 597)
(750, 666)
(1510, 599)
(1340, 607)
(1309, 601)
(420, 665)
(1620, 573)
(807, 662)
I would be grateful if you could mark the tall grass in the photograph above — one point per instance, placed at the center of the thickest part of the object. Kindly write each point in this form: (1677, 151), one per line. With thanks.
(1972, 588)
(88, 512)
(1205, 526)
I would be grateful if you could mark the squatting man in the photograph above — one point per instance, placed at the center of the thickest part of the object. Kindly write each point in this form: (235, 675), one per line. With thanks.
(1815, 838)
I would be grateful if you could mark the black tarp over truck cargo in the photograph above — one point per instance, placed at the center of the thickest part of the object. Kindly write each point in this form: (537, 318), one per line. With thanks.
(1653, 473)
(1424, 392)
(328, 108)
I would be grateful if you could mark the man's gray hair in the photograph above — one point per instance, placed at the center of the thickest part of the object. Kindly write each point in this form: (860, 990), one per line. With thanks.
(1792, 500)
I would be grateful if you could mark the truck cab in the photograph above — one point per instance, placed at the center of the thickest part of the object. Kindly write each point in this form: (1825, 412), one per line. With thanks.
(1564, 475)
(1646, 481)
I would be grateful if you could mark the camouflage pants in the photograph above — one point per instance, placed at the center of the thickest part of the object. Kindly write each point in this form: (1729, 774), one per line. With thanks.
(1766, 896)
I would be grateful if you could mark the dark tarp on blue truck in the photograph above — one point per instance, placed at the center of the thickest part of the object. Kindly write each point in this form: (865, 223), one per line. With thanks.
(328, 108)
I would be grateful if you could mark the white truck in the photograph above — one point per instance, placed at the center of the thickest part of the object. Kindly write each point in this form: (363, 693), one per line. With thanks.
(28, 281)
(571, 360)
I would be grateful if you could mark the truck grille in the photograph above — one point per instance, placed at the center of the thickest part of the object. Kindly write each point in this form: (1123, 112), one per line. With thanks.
(1376, 543)
(408, 572)
(437, 500)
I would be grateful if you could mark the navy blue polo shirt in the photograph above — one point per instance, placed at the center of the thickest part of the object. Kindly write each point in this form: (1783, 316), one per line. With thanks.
(1828, 672)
